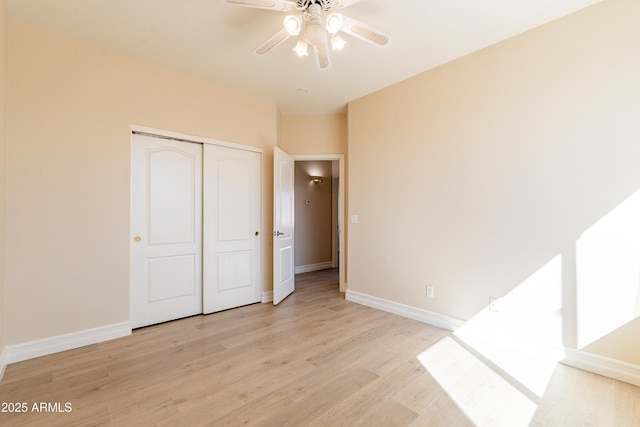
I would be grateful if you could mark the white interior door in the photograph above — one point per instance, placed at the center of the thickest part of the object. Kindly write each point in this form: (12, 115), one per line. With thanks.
(166, 230)
(283, 234)
(231, 198)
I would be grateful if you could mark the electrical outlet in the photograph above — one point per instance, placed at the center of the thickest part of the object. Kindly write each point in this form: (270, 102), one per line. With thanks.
(493, 304)
(430, 291)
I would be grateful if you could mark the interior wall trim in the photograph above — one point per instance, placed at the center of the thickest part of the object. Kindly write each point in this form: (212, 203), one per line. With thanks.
(313, 267)
(605, 366)
(267, 297)
(43, 347)
(601, 365)
(3, 364)
(421, 315)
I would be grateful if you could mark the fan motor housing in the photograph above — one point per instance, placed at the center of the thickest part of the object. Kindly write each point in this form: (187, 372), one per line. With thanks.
(324, 4)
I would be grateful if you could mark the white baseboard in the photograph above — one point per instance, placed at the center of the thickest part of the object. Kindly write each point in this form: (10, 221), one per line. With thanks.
(612, 368)
(421, 315)
(267, 297)
(42, 347)
(3, 364)
(313, 267)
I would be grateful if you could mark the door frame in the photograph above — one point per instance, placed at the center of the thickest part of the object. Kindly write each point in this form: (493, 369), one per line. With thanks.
(341, 208)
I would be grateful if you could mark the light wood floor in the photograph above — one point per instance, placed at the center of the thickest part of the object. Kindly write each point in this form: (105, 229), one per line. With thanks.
(316, 359)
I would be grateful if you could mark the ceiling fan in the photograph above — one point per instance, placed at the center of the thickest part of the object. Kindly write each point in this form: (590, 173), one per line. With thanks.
(315, 23)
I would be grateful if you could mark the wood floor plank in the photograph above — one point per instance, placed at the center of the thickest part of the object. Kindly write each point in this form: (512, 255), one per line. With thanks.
(442, 412)
(248, 384)
(363, 403)
(314, 360)
(315, 404)
(626, 411)
(259, 411)
(388, 413)
(420, 394)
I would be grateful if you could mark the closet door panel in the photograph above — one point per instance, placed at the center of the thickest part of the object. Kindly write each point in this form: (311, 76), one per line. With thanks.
(231, 198)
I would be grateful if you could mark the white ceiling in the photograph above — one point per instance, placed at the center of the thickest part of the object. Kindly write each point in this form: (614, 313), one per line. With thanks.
(213, 40)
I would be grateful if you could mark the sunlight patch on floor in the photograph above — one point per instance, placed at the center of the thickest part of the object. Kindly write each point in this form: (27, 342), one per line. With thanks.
(485, 397)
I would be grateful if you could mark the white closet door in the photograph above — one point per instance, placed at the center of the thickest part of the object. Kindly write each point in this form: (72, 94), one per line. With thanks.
(166, 230)
(231, 198)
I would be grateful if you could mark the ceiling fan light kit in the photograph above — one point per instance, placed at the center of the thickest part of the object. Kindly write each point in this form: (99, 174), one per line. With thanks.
(334, 22)
(337, 42)
(302, 48)
(315, 23)
(293, 24)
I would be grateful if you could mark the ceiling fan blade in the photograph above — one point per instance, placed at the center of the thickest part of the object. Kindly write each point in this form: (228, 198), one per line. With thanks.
(264, 4)
(323, 60)
(366, 32)
(272, 42)
(345, 3)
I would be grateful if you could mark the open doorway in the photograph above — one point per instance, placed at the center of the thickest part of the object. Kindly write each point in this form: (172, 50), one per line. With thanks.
(319, 193)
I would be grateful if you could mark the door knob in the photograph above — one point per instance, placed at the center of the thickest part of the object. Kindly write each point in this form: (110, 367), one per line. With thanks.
(257, 233)
(137, 239)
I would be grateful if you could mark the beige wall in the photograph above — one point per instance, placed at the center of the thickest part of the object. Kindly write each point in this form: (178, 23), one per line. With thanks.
(621, 344)
(313, 221)
(3, 171)
(71, 105)
(486, 168)
(326, 134)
